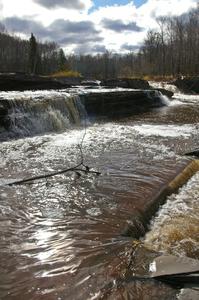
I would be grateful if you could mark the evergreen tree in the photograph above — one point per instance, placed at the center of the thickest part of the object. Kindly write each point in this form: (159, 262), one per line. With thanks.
(62, 61)
(32, 54)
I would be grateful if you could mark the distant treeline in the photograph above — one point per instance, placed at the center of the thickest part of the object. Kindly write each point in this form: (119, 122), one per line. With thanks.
(171, 50)
(16, 55)
(174, 48)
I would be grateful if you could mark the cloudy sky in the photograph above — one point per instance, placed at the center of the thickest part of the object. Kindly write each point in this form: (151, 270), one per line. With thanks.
(86, 26)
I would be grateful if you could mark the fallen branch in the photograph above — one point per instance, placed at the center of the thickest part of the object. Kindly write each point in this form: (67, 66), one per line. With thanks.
(77, 168)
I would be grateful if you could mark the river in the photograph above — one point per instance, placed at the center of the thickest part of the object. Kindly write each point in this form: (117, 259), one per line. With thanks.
(61, 238)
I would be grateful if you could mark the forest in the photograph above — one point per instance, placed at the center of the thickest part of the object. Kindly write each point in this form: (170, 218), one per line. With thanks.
(171, 50)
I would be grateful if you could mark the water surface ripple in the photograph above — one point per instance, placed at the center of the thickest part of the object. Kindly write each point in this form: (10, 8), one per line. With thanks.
(61, 238)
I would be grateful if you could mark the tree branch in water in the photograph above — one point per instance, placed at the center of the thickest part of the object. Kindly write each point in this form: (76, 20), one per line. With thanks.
(77, 168)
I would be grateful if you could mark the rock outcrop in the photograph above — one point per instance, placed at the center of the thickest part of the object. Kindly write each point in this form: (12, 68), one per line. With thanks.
(164, 92)
(118, 104)
(188, 85)
(131, 83)
(22, 82)
(69, 81)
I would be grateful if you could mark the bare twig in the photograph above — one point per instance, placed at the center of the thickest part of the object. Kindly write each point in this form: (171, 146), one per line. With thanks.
(72, 169)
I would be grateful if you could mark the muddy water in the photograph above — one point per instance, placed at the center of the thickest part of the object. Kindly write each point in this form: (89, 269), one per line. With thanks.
(61, 238)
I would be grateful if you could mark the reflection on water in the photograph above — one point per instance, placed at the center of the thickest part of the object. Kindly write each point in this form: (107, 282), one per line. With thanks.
(61, 238)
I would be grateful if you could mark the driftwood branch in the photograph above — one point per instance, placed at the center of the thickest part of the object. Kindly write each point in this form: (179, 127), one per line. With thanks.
(77, 168)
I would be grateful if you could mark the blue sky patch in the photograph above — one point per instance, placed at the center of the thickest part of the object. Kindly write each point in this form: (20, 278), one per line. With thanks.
(101, 3)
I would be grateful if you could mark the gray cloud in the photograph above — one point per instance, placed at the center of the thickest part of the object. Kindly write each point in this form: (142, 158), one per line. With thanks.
(99, 49)
(83, 49)
(130, 47)
(76, 39)
(119, 26)
(68, 32)
(80, 27)
(63, 32)
(70, 4)
(90, 48)
(25, 26)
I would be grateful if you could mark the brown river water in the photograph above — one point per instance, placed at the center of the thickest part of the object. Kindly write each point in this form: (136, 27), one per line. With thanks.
(61, 238)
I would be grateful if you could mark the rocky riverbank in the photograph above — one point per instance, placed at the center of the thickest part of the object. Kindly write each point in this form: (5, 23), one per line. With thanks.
(133, 83)
(22, 82)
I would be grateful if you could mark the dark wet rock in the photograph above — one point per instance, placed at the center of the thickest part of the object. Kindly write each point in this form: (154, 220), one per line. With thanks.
(3, 110)
(70, 81)
(194, 152)
(167, 93)
(137, 226)
(188, 84)
(3, 116)
(77, 81)
(120, 103)
(21, 82)
(131, 83)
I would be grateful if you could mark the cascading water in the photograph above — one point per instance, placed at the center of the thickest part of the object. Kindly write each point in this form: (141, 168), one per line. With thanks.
(31, 113)
(164, 100)
(165, 85)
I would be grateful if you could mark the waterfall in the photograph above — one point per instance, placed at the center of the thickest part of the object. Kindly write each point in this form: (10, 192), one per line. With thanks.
(162, 100)
(31, 114)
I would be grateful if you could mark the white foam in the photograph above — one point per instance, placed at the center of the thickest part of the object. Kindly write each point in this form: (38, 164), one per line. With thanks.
(165, 130)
